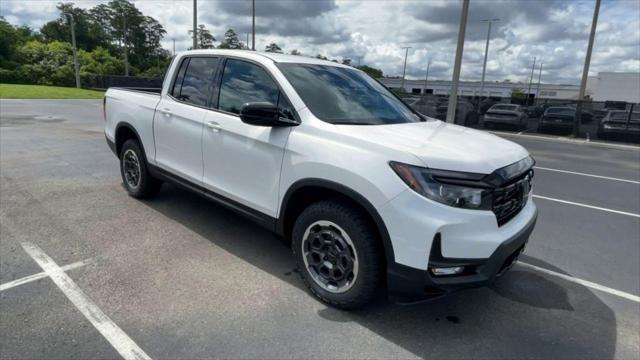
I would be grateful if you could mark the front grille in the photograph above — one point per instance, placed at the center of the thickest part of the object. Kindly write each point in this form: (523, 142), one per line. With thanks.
(509, 200)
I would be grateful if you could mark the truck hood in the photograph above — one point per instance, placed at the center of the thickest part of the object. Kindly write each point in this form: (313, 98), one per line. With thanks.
(443, 146)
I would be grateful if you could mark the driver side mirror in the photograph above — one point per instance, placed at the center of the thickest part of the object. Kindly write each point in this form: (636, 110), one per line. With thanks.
(264, 114)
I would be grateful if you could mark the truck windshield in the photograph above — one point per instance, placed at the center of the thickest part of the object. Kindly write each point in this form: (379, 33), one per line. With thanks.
(346, 96)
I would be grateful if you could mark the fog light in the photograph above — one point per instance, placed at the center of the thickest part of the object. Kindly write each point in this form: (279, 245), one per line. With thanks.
(440, 271)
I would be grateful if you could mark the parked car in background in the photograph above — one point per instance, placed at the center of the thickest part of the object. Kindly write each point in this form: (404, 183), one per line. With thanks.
(466, 113)
(428, 106)
(507, 114)
(618, 123)
(560, 118)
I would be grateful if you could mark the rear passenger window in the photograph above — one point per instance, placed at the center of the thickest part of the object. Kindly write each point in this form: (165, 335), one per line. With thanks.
(243, 82)
(175, 91)
(197, 82)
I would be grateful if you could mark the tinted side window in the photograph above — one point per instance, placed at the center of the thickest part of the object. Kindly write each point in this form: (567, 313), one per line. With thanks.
(243, 82)
(198, 80)
(177, 85)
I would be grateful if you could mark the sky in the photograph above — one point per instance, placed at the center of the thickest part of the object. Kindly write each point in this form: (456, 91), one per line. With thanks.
(373, 32)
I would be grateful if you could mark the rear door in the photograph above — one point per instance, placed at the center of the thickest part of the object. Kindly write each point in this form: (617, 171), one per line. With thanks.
(242, 162)
(179, 117)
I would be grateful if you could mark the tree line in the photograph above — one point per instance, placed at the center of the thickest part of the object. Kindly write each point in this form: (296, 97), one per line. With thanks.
(112, 39)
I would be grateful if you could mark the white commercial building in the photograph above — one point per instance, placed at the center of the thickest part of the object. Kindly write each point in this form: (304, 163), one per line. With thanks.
(607, 86)
(614, 86)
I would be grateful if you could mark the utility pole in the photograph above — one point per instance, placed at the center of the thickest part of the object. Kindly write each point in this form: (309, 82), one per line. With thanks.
(76, 66)
(253, 25)
(174, 47)
(247, 40)
(585, 69)
(426, 78)
(126, 49)
(531, 80)
(486, 53)
(404, 69)
(453, 96)
(539, 77)
(195, 24)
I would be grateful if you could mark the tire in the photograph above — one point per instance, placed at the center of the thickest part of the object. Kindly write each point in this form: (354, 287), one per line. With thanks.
(135, 175)
(338, 225)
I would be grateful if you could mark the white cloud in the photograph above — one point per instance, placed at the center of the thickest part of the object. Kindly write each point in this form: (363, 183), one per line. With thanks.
(553, 31)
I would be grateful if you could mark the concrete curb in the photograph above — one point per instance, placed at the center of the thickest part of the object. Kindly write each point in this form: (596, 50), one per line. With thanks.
(565, 140)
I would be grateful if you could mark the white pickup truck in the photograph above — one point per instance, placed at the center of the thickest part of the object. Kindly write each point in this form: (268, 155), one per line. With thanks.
(371, 194)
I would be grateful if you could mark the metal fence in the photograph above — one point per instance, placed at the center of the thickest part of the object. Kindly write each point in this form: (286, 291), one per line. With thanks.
(103, 82)
(607, 120)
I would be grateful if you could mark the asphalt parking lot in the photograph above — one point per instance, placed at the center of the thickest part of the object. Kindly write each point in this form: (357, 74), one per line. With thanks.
(180, 277)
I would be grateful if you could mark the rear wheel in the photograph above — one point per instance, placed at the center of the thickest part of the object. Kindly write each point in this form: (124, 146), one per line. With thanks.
(338, 253)
(135, 175)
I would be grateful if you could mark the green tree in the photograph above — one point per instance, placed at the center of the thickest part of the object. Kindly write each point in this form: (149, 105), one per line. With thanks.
(89, 32)
(518, 96)
(231, 41)
(346, 61)
(136, 36)
(295, 52)
(100, 62)
(273, 47)
(321, 57)
(204, 37)
(373, 72)
(11, 38)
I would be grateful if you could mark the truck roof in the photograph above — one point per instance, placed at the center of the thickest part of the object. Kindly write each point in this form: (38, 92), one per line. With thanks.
(261, 56)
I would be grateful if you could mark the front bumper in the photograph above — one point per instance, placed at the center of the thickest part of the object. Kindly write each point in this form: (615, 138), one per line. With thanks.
(501, 120)
(411, 283)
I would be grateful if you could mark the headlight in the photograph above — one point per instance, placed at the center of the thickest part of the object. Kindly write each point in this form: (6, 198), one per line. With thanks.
(422, 181)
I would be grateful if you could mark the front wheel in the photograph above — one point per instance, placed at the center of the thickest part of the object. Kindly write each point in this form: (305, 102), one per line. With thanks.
(135, 175)
(338, 253)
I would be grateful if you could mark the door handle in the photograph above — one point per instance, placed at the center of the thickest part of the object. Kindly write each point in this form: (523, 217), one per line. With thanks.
(214, 126)
(166, 111)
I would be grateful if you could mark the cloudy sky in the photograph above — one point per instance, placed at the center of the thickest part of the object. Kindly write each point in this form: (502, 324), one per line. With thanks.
(374, 31)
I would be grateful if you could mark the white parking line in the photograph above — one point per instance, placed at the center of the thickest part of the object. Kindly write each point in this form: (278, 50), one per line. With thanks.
(588, 206)
(585, 174)
(41, 275)
(114, 335)
(586, 283)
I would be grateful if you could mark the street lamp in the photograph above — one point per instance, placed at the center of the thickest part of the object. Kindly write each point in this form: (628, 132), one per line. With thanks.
(404, 69)
(76, 66)
(486, 53)
(453, 96)
(530, 81)
(426, 79)
(195, 24)
(253, 25)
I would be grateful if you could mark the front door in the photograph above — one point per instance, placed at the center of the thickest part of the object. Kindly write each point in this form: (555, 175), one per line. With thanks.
(242, 162)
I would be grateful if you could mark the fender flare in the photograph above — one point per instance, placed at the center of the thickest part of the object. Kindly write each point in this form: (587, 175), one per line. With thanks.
(348, 192)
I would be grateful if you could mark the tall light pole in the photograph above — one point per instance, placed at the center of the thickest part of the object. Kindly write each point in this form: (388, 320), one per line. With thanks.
(539, 77)
(585, 69)
(486, 53)
(531, 80)
(195, 24)
(76, 65)
(426, 78)
(404, 69)
(453, 96)
(253, 25)
(174, 47)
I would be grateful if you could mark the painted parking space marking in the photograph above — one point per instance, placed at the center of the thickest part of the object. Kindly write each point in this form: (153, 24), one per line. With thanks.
(41, 275)
(120, 341)
(586, 283)
(589, 175)
(587, 206)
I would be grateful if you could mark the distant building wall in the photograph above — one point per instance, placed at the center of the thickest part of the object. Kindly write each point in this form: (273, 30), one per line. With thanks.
(614, 86)
(606, 86)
